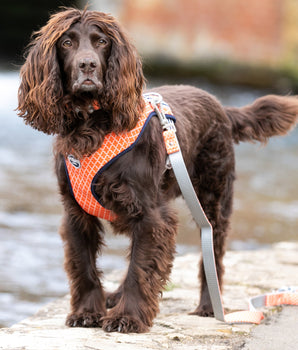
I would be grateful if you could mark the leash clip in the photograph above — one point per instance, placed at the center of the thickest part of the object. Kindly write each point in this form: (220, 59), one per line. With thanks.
(168, 164)
(156, 102)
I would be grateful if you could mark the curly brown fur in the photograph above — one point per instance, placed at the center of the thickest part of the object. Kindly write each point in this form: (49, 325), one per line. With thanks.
(81, 58)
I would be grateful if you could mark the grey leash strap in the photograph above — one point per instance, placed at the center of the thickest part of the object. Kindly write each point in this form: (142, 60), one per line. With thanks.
(199, 216)
(189, 194)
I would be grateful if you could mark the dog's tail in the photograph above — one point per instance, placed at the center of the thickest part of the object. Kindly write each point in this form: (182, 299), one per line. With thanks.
(268, 116)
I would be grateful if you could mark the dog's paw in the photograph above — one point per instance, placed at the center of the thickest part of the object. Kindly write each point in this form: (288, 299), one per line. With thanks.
(203, 311)
(112, 299)
(85, 319)
(123, 324)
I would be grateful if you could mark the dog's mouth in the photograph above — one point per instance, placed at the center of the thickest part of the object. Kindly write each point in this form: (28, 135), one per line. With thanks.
(87, 85)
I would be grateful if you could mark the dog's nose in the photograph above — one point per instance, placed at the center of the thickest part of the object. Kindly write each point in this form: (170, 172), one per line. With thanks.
(87, 64)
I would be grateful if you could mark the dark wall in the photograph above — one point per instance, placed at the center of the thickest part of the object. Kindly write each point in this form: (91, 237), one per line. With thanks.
(19, 18)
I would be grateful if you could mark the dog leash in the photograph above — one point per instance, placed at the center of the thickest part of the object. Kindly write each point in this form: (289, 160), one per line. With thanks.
(286, 296)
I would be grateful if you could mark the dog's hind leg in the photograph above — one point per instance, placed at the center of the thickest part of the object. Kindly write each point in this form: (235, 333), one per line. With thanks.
(220, 230)
(213, 183)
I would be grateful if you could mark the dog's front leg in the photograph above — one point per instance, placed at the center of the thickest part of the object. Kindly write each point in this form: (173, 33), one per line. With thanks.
(152, 253)
(81, 234)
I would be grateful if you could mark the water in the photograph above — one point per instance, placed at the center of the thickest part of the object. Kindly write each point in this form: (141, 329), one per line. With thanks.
(31, 253)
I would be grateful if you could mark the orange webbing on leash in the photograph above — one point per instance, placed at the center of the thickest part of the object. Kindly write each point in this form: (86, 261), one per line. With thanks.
(170, 141)
(244, 317)
(284, 296)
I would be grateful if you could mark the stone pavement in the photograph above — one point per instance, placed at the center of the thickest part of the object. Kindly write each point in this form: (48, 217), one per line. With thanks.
(248, 273)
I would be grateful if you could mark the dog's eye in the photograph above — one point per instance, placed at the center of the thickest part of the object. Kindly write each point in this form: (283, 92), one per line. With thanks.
(67, 43)
(101, 42)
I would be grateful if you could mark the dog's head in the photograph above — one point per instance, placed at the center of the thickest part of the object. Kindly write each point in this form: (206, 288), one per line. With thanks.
(83, 51)
(76, 59)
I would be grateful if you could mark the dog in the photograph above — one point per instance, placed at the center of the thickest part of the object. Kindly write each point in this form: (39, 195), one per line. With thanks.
(83, 82)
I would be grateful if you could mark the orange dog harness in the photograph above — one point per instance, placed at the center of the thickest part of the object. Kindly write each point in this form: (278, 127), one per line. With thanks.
(83, 174)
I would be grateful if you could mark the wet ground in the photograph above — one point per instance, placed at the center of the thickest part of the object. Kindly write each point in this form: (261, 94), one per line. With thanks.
(31, 253)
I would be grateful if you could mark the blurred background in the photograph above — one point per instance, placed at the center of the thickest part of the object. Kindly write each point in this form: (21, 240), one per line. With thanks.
(235, 49)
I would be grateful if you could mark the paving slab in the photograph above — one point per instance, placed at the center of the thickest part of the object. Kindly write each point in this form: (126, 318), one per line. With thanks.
(248, 273)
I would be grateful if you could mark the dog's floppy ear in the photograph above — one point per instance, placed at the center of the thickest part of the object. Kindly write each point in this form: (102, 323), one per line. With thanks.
(40, 94)
(40, 91)
(124, 81)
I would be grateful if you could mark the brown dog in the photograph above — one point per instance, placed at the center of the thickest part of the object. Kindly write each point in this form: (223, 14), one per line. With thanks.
(81, 60)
